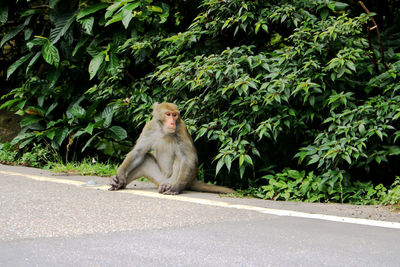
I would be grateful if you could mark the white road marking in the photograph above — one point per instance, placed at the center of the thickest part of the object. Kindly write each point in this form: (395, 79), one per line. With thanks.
(214, 203)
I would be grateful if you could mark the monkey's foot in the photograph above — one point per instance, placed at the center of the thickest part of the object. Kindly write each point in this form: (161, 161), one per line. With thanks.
(116, 184)
(167, 189)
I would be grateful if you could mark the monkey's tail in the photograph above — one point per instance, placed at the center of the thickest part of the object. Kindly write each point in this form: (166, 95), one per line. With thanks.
(203, 187)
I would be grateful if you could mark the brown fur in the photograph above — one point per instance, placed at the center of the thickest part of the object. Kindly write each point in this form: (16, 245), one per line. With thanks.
(165, 154)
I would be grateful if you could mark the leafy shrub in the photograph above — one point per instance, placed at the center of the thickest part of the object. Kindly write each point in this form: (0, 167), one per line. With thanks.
(87, 167)
(393, 195)
(8, 155)
(39, 156)
(296, 84)
(292, 185)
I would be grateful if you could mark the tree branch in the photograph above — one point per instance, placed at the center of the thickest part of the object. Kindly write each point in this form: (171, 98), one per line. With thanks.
(375, 27)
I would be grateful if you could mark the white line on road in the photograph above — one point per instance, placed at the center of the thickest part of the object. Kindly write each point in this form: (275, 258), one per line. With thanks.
(222, 204)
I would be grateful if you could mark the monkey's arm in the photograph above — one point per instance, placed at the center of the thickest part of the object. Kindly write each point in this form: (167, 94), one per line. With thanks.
(184, 166)
(133, 159)
(185, 172)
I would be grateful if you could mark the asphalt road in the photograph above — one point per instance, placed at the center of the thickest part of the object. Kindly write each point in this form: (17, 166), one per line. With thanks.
(51, 220)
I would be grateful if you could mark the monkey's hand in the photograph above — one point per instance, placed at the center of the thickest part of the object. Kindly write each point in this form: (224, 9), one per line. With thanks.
(167, 189)
(116, 184)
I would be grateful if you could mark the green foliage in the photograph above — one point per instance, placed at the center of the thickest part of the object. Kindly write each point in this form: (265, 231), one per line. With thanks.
(393, 195)
(8, 155)
(39, 156)
(262, 85)
(292, 185)
(87, 167)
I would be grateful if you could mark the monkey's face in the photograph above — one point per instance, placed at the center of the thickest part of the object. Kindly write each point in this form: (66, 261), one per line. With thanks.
(170, 121)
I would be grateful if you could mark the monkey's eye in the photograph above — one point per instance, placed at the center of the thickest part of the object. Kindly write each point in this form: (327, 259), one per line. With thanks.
(168, 114)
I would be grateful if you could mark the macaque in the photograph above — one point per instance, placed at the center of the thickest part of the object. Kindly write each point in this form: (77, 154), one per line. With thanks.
(165, 154)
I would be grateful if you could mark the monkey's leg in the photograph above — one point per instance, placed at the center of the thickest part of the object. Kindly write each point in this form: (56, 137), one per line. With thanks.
(167, 187)
(148, 168)
(183, 173)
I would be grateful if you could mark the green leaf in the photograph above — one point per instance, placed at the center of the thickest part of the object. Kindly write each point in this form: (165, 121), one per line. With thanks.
(241, 160)
(89, 129)
(87, 24)
(28, 34)
(51, 134)
(89, 142)
(347, 158)
(228, 162)
(33, 61)
(111, 9)
(338, 6)
(95, 64)
(53, 3)
(132, 6)
(62, 25)
(80, 44)
(361, 128)
(265, 28)
(50, 54)
(156, 9)
(20, 137)
(396, 135)
(60, 136)
(3, 14)
(91, 9)
(51, 108)
(257, 28)
(241, 170)
(314, 159)
(30, 120)
(10, 103)
(117, 133)
(91, 110)
(351, 65)
(108, 114)
(113, 65)
(17, 64)
(77, 111)
(126, 17)
(219, 166)
(11, 34)
(394, 151)
(117, 17)
(52, 77)
(379, 133)
(28, 13)
(248, 159)
(38, 41)
(201, 132)
(295, 174)
(324, 13)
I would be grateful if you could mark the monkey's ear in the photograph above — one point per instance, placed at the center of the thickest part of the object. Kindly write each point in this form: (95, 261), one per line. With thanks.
(155, 105)
(155, 108)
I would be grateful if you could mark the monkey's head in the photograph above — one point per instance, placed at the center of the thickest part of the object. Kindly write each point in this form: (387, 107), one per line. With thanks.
(168, 116)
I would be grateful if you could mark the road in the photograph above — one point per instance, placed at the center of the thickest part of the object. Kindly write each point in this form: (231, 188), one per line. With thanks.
(52, 220)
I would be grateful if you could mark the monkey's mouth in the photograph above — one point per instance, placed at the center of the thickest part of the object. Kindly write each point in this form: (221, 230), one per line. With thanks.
(171, 129)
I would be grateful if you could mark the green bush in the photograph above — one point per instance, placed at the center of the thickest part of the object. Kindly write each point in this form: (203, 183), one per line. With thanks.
(38, 156)
(87, 167)
(393, 195)
(293, 185)
(263, 86)
(8, 155)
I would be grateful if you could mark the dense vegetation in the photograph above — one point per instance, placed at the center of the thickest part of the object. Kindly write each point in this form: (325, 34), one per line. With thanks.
(288, 99)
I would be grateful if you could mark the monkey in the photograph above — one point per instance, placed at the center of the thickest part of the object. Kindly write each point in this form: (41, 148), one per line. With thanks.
(165, 154)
